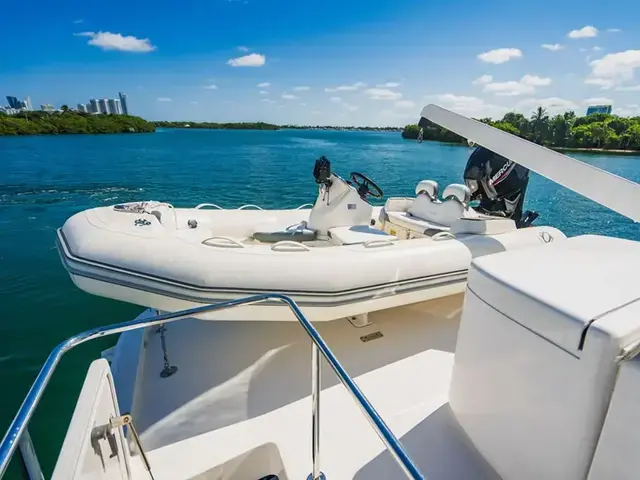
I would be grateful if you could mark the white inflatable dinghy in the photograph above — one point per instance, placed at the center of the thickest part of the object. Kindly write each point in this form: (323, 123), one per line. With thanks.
(339, 259)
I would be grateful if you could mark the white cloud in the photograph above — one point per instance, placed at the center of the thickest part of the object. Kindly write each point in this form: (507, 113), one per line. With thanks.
(164, 99)
(584, 32)
(301, 89)
(525, 86)
(382, 94)
(614, 69)
(350, 107)
(405, 104)
(597, 101)
(302, 104)
(554, 47)
(117, 41)
(243, 49)
(613, 30)
(264, 92)
(251, 60)
(78, 21)
(535, 81)
(481, 80)
(267, 100)
(604, 83)
(336, 99)
(213, 86)
(629, 88)
(346, 88)
(632, 110)
(552, 105)
(263, 85)
(193, 103)
(316, 112)
(596, 48)
(509, 89)
(288, 96)
(470, 106)
(500, 55)
(389, 85)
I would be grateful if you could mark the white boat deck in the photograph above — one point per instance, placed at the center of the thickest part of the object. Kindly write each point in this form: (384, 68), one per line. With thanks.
(240, 407)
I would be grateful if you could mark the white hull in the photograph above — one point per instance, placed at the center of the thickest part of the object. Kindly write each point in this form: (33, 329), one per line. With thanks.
(171, 268)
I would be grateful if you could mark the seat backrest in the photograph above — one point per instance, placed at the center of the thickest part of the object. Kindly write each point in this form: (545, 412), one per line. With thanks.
(429, 188)
(459, 192)
(456, 199)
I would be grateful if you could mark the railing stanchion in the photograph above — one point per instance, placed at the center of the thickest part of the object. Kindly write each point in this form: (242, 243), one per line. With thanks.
(29, 458)
(315, 413)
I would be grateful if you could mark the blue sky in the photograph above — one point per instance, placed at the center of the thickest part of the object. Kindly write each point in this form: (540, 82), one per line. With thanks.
(330, 62)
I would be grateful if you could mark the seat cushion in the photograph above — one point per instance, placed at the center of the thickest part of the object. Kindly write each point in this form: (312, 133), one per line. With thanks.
(358, 234)
(439, 213)
(406, 220)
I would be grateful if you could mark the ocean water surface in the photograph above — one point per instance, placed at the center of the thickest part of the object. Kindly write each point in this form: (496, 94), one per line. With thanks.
(45, 180)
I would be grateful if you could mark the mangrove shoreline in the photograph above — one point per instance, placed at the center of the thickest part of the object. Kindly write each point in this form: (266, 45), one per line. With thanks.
(597, 133)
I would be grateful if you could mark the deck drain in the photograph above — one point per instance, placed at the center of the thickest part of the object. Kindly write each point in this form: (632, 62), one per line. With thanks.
(371, 336)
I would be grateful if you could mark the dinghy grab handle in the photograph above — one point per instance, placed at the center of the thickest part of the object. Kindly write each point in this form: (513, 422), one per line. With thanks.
(289, 246)
(244, 207)
(205, 205)
(224, 242)
(304, 205)
(377, 243)
(443, 236)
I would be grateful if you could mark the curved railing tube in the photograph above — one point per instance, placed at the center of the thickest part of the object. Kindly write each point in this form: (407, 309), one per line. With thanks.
(19, 424)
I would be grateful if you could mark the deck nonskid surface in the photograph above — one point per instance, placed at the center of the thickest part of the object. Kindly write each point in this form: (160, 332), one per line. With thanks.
(245, 386)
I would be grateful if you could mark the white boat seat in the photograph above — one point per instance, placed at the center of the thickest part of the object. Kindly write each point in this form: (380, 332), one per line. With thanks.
(358, 234)
(428, 215)
(429, 188)
(408, 221)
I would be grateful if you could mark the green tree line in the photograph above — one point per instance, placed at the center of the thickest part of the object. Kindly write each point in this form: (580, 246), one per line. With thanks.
(218, 126)
(67, 122)
(566, 130)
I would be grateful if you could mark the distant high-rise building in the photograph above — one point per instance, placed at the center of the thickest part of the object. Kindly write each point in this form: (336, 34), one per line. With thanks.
(23, 105)
(28, 102)
(115, 107)
(123, 102)
(47, 107)
(103, 106)
(13, 102)
(82, 108)
(93, 106)
(599, 109)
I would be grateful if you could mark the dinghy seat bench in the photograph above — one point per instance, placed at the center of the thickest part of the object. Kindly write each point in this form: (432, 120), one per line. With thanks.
(426, 214)
(359, 234)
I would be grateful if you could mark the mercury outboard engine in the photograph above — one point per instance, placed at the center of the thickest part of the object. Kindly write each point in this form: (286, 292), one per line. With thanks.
(499, 184)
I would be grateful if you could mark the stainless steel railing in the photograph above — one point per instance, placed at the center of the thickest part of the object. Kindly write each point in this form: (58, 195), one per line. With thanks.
(18, 427)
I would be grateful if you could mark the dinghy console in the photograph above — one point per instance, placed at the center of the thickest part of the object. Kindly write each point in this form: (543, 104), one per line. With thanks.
(341, 203)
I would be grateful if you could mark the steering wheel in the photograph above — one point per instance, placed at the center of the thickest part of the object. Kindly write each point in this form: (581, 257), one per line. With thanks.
(365, 185)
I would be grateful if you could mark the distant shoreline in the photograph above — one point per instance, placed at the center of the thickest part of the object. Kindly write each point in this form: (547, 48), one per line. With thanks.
(268, 126)
(613, 151)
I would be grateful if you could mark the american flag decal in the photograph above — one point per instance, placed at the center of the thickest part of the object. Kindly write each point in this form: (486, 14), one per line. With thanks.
(351, 206)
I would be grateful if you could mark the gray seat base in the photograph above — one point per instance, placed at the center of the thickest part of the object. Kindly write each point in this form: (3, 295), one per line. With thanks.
(293, 236)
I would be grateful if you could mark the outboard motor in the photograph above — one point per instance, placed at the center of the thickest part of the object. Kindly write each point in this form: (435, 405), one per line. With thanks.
(499, 184)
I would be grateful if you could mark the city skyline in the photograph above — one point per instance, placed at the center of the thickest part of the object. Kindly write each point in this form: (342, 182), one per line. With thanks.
(116, 106)
(358, 62)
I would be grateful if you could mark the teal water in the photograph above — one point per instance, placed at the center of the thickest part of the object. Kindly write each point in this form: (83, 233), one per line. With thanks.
(44, 180)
